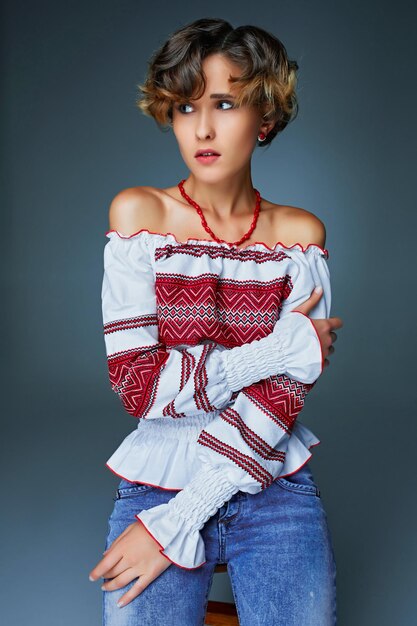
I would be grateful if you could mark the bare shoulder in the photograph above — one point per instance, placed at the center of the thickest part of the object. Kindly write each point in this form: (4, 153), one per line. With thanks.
(136, 208)
(308, 227)
(298, 225)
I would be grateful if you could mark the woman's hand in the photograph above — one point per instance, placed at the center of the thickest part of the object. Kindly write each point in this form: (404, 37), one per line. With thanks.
(133, 553)
(324, 327)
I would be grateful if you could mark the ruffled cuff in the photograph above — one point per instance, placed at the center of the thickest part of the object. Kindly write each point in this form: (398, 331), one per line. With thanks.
(293, 348)
(176, 524)
(302, 347)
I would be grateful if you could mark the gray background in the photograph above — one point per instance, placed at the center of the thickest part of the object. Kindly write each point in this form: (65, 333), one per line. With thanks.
(72, 139)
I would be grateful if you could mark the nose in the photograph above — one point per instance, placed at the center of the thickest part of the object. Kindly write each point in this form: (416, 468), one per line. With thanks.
(204, 126)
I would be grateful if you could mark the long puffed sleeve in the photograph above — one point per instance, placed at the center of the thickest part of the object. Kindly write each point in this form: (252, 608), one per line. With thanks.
(294, 333)
(244, 448)
(153, 380)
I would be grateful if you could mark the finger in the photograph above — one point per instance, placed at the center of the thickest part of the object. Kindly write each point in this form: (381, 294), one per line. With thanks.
(120, 567)
(109, 561)
(120, 580)
(116, 541)
(135, 590)
(335, 322)
(330, 351)
(306, 306)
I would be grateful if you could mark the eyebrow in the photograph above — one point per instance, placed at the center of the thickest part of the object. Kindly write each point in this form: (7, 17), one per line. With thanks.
(221, 95)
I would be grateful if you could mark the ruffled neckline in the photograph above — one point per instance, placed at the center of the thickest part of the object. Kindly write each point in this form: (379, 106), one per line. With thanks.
(258, 245)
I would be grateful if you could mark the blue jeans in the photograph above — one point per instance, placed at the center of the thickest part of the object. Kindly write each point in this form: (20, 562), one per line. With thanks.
(278, 550)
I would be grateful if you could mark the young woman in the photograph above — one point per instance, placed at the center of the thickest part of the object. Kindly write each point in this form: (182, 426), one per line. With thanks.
(214, 336)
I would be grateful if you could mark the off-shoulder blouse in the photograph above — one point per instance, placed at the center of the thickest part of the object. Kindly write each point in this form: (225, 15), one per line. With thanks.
(205, 351)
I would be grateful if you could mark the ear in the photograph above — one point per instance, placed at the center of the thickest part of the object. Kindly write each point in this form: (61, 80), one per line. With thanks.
(267, 126)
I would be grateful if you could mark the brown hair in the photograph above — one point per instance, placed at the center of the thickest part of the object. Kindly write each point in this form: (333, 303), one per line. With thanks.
(268, 76)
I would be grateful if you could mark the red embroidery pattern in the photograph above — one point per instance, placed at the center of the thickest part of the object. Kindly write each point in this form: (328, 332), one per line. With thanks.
(131, 322)
(201, 381)
(187, 366)
(133, 376)
(225, 311)
(216, 251)
(244, 461)
(281, 399)
(258, 445)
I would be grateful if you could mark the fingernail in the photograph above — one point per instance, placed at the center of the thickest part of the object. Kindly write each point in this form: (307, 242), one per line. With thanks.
(103, 588)
(318, 289)
(91, 578)
(120, 603)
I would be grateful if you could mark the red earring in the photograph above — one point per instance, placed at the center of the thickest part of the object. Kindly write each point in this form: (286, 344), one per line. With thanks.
(261, 137)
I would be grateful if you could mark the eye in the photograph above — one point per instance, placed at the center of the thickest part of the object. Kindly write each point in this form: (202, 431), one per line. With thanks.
(226, 102)
(182, 104)
(229, 104)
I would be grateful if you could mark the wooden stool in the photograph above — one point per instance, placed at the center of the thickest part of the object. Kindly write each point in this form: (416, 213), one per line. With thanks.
(221, 613)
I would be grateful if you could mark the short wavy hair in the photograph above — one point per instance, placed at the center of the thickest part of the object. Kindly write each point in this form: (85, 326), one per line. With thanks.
(268, 77)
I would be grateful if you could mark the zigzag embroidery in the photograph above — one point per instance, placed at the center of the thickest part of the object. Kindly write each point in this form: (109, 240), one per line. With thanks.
(134, 377)
(201, 381)
(131, 322)
(214, 252)
(245, 462)
(256, 443)
(226, 312)
(187, 366)
(280, 398)
(184, 280)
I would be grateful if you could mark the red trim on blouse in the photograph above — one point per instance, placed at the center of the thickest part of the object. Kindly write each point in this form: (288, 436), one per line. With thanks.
(162, 548)
(231, 245)
(298, 468)
(137, 482)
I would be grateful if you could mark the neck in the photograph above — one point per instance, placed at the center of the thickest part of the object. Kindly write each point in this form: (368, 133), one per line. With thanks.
(223, 199)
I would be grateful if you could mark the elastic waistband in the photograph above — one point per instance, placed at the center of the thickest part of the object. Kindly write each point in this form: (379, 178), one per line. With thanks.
(178, 428)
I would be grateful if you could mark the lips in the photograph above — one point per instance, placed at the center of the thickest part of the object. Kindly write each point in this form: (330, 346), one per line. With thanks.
(201, 152)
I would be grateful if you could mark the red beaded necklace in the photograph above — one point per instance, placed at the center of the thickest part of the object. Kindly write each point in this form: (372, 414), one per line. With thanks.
(206, 226)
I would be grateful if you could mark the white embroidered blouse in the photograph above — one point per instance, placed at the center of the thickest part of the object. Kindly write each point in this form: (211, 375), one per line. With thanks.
(205, 351)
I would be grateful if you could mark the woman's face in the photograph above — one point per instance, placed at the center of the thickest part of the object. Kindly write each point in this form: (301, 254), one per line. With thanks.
(212, 122)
